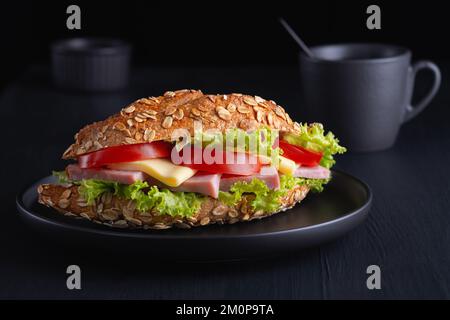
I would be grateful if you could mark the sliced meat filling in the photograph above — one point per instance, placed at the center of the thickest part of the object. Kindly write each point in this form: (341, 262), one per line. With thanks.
(74, 172)
(316, 172)
(204, 183)
(267, 174)
(201, 182)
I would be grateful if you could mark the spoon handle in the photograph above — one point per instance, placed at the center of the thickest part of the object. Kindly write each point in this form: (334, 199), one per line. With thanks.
(296, 38)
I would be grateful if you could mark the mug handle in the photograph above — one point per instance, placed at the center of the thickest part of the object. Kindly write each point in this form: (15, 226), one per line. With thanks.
(412, 111)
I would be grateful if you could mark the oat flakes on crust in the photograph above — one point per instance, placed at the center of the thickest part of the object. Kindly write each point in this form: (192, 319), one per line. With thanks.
(155, 118)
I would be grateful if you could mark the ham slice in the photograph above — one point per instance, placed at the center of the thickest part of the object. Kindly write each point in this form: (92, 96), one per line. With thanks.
(317, 172)
(267, 174)
(201, 182)
(74, 172)
(204, 183)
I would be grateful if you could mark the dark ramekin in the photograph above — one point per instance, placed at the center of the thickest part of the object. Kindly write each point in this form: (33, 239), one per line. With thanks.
(91, 64)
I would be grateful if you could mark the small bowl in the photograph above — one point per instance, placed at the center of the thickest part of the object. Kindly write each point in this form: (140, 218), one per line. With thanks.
(91, 64)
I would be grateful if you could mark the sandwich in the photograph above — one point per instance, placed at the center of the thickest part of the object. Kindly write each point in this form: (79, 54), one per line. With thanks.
(187, 159)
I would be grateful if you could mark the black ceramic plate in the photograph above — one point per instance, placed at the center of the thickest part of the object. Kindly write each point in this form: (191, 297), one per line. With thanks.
(319, 218)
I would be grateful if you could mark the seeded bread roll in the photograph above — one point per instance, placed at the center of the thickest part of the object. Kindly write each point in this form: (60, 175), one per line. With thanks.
(120, 213)
(155, 118)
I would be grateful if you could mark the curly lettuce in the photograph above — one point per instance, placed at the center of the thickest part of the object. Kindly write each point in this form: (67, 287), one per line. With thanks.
(175, 203)
(61, 177)
(287, 182)
(264, 198)
(259, 141)
(92, 189)
(313, 137)
(146, 198)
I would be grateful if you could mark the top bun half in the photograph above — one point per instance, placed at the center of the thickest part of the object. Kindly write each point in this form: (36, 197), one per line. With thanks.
(155, 118)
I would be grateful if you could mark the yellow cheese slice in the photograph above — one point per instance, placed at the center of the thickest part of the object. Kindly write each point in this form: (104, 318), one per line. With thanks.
(287, 166)
(160, 169)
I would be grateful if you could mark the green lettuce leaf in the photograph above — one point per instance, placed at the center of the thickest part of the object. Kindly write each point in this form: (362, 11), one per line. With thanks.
(264, 198)
(61, 176)
(92, 189)
(259, 141)
(136, 192)
(146, 198)
(313, 137)
(287, 182)
(175, 203)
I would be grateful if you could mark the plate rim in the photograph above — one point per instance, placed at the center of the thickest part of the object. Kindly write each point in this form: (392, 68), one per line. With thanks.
(159, 234)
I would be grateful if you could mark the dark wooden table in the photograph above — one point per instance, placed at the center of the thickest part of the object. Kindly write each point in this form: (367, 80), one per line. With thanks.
(407, 233)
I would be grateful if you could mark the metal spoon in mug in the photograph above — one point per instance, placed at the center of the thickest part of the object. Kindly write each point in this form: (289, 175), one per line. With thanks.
(296, 38)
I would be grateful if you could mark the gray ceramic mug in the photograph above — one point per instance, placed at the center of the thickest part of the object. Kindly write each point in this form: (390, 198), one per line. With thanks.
(362, 92)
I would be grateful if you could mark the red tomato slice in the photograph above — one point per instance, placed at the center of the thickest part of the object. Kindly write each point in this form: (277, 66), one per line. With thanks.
(300, 155)
(125, 153)
(238, 163)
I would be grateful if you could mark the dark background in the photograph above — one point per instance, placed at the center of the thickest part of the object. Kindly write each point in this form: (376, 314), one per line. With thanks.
(217, 32)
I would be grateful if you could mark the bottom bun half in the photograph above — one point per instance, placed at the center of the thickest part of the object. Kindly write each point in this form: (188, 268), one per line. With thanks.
(116, 212)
